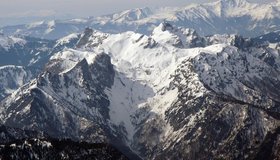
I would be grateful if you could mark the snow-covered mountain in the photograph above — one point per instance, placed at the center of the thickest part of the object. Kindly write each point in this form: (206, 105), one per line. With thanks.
(29, 51)
(13, 77)
(169, 95)
(7, 42)
(22, 58)
(220, 17)
(72, 90)
(24, 51)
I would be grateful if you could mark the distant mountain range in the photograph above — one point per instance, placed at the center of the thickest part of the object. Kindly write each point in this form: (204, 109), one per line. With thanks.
(220, 17)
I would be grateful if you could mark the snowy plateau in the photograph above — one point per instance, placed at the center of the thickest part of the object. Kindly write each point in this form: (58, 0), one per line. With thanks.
(168, 83)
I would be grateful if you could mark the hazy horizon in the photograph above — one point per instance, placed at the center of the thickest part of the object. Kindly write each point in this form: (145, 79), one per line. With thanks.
(21, 12)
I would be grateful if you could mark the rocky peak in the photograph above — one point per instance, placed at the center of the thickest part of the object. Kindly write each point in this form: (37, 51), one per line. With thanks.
(176, 36)
(165, 26)
(233, 3)
(85, 37)
(91, 38)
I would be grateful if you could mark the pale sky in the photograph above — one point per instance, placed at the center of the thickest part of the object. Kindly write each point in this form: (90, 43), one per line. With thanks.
(24, 11)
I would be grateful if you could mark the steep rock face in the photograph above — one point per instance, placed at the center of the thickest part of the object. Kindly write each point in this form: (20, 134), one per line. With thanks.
(216, 114)
(68, 99)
